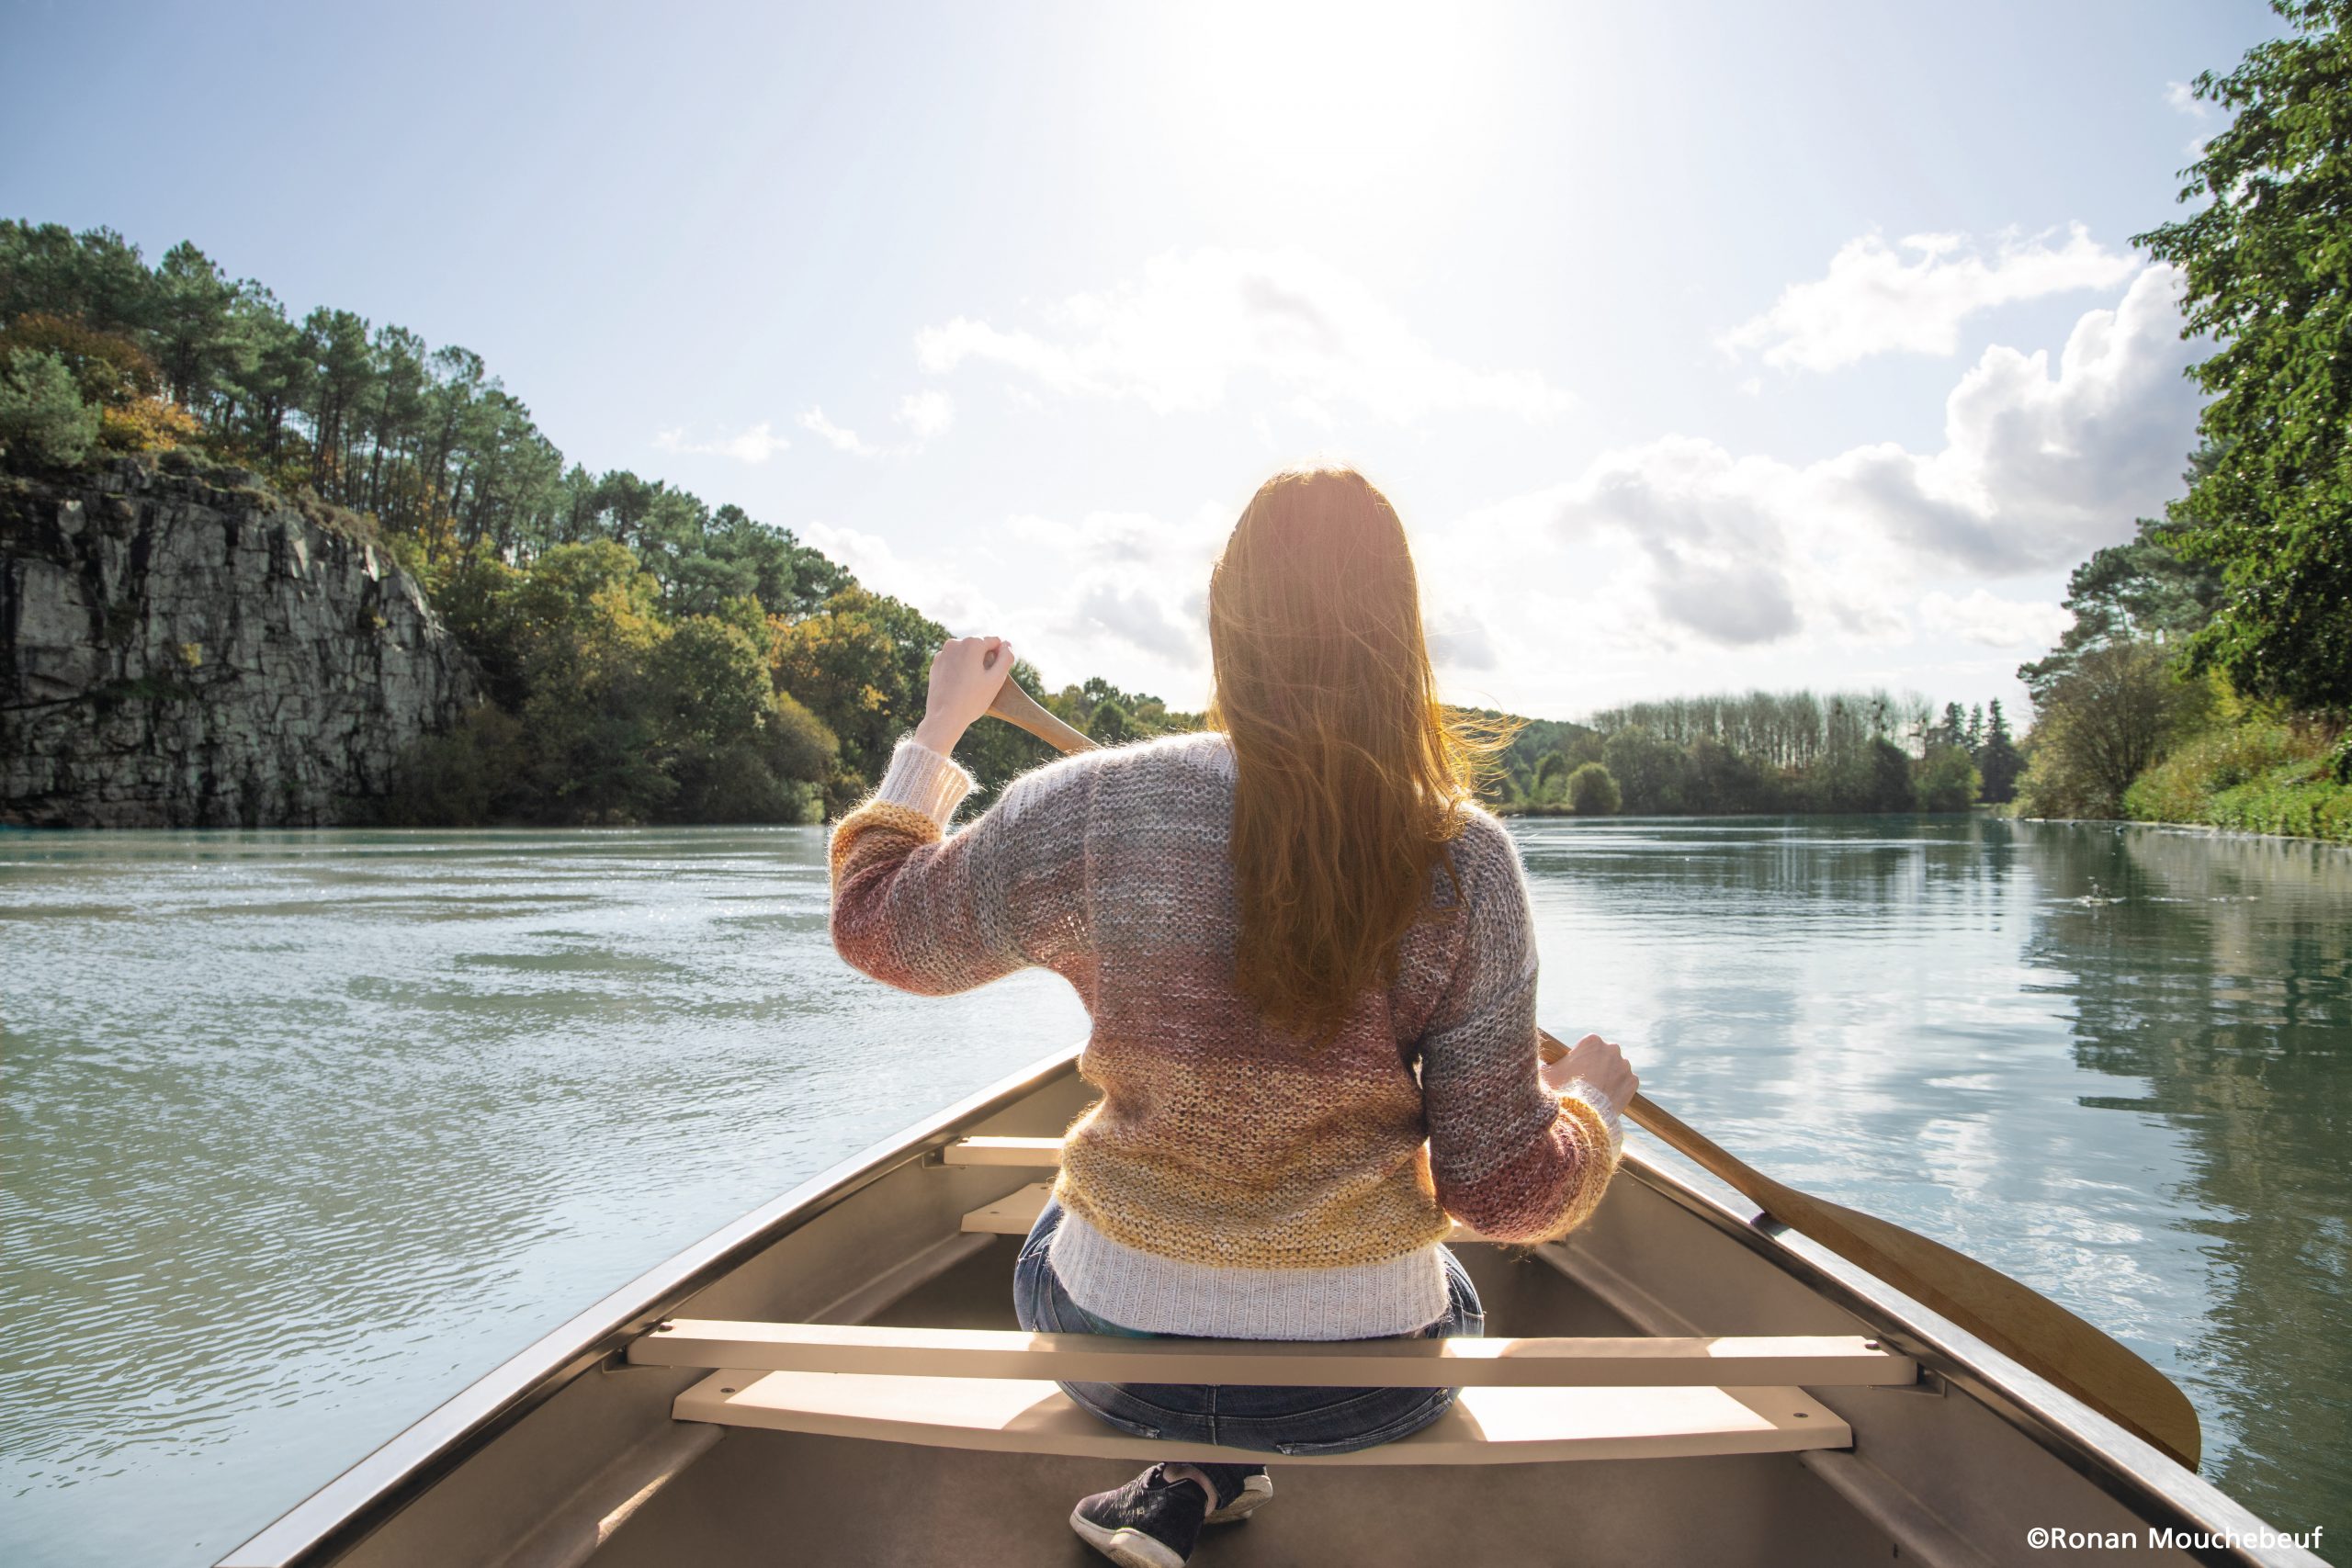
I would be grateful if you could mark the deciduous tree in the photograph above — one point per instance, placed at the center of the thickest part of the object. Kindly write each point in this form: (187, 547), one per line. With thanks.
(2103, 725)
(2269, 278)
(1948, 780)
(1593, 792)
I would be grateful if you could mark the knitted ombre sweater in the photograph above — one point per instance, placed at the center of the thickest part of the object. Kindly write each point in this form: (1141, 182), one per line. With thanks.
(1233, 1180)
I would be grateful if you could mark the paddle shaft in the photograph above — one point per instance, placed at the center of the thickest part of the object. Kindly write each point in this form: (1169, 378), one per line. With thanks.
(1019, 709)
(2028, 1327)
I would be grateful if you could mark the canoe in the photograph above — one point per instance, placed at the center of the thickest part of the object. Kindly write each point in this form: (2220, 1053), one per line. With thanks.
(836, 1379)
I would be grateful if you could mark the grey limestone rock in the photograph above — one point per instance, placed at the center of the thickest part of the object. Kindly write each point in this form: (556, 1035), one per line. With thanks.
(182, 647)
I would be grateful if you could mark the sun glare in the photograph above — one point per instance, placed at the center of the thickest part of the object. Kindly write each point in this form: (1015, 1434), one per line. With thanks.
(1305, 103)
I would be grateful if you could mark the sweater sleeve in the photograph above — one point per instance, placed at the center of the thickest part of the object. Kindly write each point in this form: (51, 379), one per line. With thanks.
(933, 913)
(1511, 1159)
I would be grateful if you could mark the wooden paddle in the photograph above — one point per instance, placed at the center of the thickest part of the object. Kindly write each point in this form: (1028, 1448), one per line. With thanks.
(1021, 710)
(2023, 1325)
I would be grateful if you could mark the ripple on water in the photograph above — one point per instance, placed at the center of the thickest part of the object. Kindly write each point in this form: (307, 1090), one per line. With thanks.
(303, 1132)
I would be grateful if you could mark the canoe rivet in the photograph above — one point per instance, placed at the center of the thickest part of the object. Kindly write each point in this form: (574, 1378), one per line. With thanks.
(1867, 1344)
(726, 1391)
(665, 1328)
(1801, 1414)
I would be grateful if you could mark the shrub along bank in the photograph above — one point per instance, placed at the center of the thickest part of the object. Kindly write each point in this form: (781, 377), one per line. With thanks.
(2125, 729)
(2259, 776)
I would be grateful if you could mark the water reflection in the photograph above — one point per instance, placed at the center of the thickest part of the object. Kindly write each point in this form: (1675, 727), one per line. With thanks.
(304, 1131)
(2217, 976)
(2113, 1063)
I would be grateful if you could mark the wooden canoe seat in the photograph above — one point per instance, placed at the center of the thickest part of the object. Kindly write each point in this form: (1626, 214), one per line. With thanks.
(1487, 1425)
(1524, 1400)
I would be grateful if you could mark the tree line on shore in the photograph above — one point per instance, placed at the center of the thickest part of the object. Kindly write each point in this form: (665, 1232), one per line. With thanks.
(2144, 716)
(648, 657)
(2207, 674)
(651, 658)
(1771, 752)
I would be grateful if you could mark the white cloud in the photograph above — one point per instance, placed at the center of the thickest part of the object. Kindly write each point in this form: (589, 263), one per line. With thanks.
(841, 440)
(1459, 638)
(1130, 590)
(870, 555)
(2055, 465)
(1703, 519)
(1176, 337)
(940, 586)
(1676, 563)
(755, 445)
(1981, 616)
(1123, 593)
(2182, 100)
(1874, 301)
(1133, 615)
(927, 414)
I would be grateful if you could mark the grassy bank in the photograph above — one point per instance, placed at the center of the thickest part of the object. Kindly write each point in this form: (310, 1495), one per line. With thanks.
(2262, 776)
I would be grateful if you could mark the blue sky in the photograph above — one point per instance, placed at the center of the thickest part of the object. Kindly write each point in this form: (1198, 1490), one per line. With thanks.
(1700, 346)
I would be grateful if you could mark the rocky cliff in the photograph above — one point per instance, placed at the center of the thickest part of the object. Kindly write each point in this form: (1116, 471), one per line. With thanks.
(182, 647)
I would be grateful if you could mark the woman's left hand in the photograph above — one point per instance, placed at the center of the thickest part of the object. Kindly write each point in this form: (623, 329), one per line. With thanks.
(965, 675)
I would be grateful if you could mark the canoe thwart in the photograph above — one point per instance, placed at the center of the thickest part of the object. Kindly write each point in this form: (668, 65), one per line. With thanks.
(1013, 1214)
(1486, 1426)
(1747, 1361)
(1038, 1153)
(1016, 1211)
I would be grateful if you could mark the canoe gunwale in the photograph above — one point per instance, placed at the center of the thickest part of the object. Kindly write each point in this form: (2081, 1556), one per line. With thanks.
(2118, 1461)
(371, 1492)
(356, 1502)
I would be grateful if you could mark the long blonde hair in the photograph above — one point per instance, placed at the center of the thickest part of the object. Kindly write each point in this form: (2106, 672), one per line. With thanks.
(1351, 777)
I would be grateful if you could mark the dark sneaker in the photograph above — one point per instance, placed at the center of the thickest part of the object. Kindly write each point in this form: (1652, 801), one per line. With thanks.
(1239, 1492)
(1148, 1523)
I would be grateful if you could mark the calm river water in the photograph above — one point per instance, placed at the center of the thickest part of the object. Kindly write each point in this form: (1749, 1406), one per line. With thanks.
(304, 1131)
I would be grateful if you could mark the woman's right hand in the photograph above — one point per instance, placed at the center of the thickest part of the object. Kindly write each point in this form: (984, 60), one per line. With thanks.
(1598, 1062)
(965, 675)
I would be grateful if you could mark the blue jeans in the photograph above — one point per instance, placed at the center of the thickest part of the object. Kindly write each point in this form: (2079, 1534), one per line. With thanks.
(1273, 1420)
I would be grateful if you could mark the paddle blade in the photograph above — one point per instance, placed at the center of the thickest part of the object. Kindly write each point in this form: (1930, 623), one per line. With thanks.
(2023, 1325)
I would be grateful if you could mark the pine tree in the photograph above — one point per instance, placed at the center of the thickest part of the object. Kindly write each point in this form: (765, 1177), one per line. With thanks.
(1998, 762)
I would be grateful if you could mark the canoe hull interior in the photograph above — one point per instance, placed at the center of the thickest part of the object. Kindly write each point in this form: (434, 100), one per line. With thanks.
(569, 1454)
